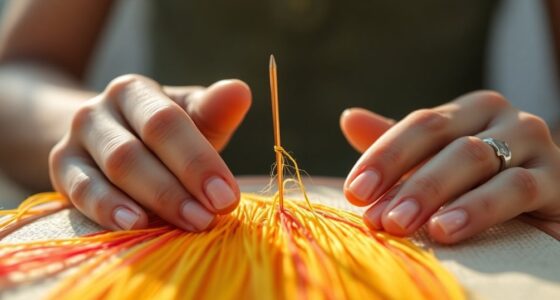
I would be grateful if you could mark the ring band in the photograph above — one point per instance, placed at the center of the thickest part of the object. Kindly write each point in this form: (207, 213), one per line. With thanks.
(502, 151)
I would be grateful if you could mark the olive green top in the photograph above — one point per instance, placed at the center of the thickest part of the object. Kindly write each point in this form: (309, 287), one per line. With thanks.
(388, 56)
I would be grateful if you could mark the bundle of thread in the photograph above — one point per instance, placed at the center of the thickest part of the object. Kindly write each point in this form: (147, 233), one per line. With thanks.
(261, 251)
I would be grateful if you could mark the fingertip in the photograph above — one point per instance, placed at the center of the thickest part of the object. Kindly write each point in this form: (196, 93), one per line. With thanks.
(235, 93)
(372, 216)
(437, 234)
(210, 226)
(362, 127)
(198, 218)
(219, 110)
(359, 116)
(371, 225)
(372, 221)
(129, 218)
(391, 227)
(224, 195)
(344, 116)
(232, 206)
(449, 226)
(353, 199)
(360, 186)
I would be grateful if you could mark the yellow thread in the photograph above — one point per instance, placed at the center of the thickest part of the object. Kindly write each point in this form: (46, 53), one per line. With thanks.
(36, 205)
(329, 255)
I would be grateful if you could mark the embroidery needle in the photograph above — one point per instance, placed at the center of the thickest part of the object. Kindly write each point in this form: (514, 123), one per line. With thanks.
(276, 126)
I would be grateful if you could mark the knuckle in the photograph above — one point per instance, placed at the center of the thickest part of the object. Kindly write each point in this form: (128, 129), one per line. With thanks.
(161, 123)
(122, 83)
(488, 205)
(488, 98)
(390, 155)
(164, 195)
(120, 157)
(534, 126)
(194, 162)
(428, 185)
(428, 119)
(100, 204)
(525, 183)
(56, 156)
(82, 118)
(475, 150)
(80, 189)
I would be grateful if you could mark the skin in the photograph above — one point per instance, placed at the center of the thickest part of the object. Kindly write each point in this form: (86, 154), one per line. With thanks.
(435, 158)
(134, 147)
(139, 147)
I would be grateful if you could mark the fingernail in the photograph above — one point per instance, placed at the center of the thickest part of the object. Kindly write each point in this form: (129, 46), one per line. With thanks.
(364, 184)
(125, 218)
(451, 221)
(404, 213)
(197, 215)
(219, 192)
(373, 215)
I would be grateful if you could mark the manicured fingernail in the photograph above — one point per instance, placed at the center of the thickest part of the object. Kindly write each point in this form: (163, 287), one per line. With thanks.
(219, 192)
(373, 215)
(364, 184)
(404, 213)
(125, 218)
(197, 215)
(451, 221)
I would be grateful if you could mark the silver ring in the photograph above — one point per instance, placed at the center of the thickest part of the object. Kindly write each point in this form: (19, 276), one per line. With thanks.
(502, 151)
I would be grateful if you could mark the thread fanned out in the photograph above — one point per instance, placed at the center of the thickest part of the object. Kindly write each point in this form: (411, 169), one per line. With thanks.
(259, 251)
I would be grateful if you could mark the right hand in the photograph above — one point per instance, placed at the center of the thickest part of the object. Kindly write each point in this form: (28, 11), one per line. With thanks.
(139, 146)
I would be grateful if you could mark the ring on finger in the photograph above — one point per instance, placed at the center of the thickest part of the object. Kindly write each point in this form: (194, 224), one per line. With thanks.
(502, 150)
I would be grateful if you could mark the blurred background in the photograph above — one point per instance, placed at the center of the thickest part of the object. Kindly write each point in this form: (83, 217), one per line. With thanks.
(391, 57)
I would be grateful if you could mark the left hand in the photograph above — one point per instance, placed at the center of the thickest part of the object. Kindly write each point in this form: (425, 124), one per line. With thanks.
(433, 167)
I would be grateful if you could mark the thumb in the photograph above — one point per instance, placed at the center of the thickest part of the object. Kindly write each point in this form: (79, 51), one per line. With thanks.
(217, 110)
(362, 127)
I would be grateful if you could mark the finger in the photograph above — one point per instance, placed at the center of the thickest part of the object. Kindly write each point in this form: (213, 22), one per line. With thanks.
(218, 110)
(372, 216)
(463, 164)
(169, 132)
(459, 167)
(362, 127)
(180, 94)
(416, 138)
(456, 169)
(133, 169)
(531, 131)
(77, 178)
(510, 193)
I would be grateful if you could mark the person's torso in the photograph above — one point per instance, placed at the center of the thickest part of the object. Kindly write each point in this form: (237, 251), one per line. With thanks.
(388, 56)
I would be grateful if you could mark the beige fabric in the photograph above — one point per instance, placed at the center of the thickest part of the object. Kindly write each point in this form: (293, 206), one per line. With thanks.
(509, 261)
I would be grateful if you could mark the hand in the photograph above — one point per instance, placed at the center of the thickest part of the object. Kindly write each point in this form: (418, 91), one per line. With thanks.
(433, 167)
(139, 146)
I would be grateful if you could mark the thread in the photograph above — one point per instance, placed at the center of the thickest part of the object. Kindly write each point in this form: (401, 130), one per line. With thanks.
(260, 251)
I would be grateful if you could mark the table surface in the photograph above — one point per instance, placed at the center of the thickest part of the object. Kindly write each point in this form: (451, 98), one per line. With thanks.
(513, 260)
